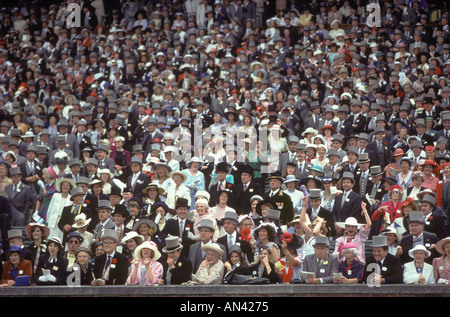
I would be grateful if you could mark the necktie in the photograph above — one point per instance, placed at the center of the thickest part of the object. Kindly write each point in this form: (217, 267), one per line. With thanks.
(181, 228)
(363, 184)
(31, 167)
(245, 187)
(14, 190)
(230, 241)
(344, 197)
(108, 262)
(352, 169)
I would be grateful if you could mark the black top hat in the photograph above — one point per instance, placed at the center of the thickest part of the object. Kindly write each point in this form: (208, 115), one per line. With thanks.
(121, 210)
(222, 167)
(116, 191)
(182, 202)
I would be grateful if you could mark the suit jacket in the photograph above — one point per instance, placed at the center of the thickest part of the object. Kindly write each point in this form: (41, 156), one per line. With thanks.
(68, 218)
(98, 231)
(51, 157)
(284, 203)
(410, 275)
(72, 144)
(391, 270)
(181, 273)
(26, 172)
(108, 163)
(244, 245)
(428, 239)
(325, 270)
(142, 182)
(172, 227)
(437, 224)
(214, 192)
(351, 207)
(360, 123)
(445, 198)
(25, 268)
(242, 199)
(118, 272)
(58, 269)
(21, 203)
(196, 256)
(284, 159)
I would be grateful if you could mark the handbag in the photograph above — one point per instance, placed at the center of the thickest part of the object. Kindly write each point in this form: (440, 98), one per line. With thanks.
(239, 279)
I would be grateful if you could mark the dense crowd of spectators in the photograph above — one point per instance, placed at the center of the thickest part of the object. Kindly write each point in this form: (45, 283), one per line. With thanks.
(224, 142)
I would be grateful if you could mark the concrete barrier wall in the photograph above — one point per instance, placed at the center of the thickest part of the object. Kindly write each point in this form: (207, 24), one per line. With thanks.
(300, 290)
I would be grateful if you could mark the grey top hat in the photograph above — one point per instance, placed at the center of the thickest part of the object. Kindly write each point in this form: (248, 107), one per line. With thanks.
(273, 214)
(137, 148)
(416, 216)
(301, 146)
(429, 199)
(92, 161)
(103, 147)
(376, 170)
(363, 158)
(231, 215)
(83, 180)
(348, 175)
(136, 159)
(315, 193)
(15, 233)
(172, 244)
(206, 223)
(75, 192)
(333, 152)
(379, 241)
(321, 242)
(110, 234)
(104, 204)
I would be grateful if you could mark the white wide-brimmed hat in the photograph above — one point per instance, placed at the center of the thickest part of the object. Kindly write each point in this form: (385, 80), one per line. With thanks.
(418, 248)
(351, 221)
(80, 221)
(147, 245)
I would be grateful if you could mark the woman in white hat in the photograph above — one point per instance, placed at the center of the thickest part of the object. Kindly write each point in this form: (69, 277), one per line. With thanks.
(80, 225)
(177, 190)
(308, 135)
(211, 269)
(60, 199)
(393, 239)
(417, 271)
(356, 233)
(38, 233)
(146, 270)
(54, 262)
(195, 179)
(132, 240)
(441, 265)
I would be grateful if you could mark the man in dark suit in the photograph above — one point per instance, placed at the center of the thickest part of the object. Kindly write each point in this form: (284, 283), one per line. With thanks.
(302, 165)
(196, 254)
(283, 201)
(179, 267)
(70, 212)
(363, 141)
(362, 176)
(420, 130)
(388, 268)
(289, 156)
(110, 268)
(316, 210)
(31, 170)
(148, 137)
(120, 214)
(348, 204)
(222, 183)
(21, 197)
(137, 181)
(435, 220)
(245, 190)
(180, 226)
(357, 120)
(380, 146)
(70, 139)
(418, 236)
(232, 237)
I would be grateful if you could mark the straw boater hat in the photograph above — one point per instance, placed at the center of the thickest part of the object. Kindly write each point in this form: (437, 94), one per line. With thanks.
(44, 228)
(183, 176)
(80, 221)
(214, 247)
(59, 182)
(147, 245)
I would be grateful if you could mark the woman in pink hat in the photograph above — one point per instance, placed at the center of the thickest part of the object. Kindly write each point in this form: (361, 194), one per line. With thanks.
(350, 268)
(354, 233)
(48, 188)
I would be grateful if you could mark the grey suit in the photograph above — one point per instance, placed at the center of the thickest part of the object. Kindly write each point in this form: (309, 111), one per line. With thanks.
(22, 201)
(51, 157)
(99, 228)
(108, 163)
(323, 270)
(72, 142)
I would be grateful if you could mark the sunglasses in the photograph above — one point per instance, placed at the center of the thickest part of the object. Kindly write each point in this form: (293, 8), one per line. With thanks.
(74, 242)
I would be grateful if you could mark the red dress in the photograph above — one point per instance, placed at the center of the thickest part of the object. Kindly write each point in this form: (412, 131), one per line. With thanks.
(394, 211)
